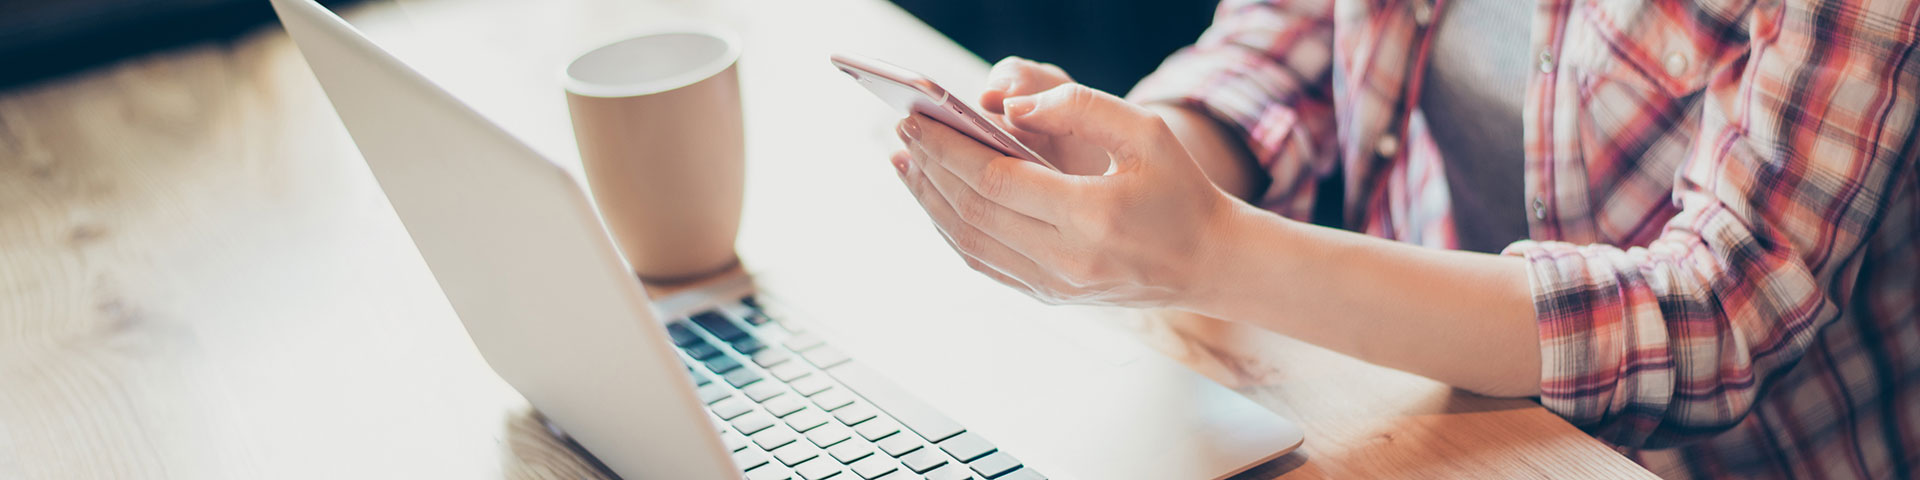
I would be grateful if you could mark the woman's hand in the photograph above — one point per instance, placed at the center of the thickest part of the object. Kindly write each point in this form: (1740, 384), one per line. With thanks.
(1135, 236)
(1014, 77)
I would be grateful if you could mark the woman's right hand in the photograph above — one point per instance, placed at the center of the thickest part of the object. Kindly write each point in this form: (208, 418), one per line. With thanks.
(1014, 77)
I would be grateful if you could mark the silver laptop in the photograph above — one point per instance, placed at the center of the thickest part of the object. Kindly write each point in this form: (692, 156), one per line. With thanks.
(717, 383)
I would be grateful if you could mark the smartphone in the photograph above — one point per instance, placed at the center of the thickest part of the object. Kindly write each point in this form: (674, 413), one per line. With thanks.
(913, 93)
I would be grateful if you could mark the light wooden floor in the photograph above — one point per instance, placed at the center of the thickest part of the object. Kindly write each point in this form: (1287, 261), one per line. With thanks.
(199, 279)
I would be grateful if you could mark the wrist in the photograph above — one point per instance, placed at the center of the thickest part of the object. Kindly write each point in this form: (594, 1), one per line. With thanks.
(1232, 261)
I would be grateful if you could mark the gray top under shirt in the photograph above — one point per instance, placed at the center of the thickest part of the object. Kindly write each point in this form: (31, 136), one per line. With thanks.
(1476, 83)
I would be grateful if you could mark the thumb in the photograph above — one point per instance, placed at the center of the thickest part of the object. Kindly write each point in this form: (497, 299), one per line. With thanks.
(1127, 131)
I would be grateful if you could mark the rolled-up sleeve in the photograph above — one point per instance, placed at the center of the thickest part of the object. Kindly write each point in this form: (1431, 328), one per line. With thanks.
(1263, 70)
(1656, 346)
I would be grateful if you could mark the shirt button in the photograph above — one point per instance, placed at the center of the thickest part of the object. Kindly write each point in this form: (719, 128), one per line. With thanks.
(1387, 146)
(1676, 64)
(1539, 209)
(1546, 62)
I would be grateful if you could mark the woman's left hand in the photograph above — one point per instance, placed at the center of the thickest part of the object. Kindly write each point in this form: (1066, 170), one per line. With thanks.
(1138, 236)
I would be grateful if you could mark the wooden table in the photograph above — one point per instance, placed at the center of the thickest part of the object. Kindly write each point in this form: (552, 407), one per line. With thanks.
(199, 279)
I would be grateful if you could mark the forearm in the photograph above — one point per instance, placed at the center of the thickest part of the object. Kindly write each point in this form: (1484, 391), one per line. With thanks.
(1221, 154)
(1462, 318)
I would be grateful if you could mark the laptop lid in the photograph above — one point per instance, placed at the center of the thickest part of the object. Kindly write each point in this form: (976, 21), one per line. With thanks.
(520, 255)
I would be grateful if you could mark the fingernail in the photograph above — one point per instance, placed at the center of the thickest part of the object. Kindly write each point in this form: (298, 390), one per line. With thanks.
(912, 126)
(899, 167)
(1018, 106)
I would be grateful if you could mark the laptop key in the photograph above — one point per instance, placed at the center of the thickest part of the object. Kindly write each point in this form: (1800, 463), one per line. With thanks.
(729, 408)
(849, 451)
(682, 336)
(749, 346)
(722, 364)
(719, 326)
(806, 419)
(770, 357)
(747, 459)
(924, 460)
(829, 435)
(897, 402)
(967, 446)
(803, 342)
(789, 371)
(710, 393)
(752, 423)
(950, 472)
(817, 469)
(854, 414)
(769, 472)
(734, 441)
(701, 350)
(1023, 474)
(876, 430)
(741, 377)
(783, 405)
(774, 438)
(760, 392)
(825, 357)
(899, 475)
(833, 399)
(874, 466)
(811, 385)
(757, 318)
(794, 453)
(898, 445)
(995, 465)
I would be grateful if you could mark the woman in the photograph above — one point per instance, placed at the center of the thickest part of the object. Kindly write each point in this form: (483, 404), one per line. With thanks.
(1714, 201)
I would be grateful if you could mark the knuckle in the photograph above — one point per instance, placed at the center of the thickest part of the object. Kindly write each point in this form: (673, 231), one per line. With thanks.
(969, 243)
(975, 264)
(973, 210)
(995, 179)
(1084, 273)
(1006, 67)
(1079, 95)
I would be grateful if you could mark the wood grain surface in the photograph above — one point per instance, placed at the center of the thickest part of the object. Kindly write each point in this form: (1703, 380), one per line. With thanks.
(200, 279)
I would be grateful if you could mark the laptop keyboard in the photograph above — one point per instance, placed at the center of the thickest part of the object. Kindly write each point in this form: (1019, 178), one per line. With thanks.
(791, 406)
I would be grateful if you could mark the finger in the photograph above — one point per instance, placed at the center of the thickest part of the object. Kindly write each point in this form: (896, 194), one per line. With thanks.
(972, 244)
(1128, 131)
(989, 270)
(1015, 76)
(974, 263)
(1027, 235)
(1023, 189)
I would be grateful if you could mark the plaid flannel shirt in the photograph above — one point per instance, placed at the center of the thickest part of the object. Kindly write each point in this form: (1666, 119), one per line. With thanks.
(1725, 230)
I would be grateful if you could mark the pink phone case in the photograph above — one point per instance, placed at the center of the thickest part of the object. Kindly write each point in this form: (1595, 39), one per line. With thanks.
(913, 93)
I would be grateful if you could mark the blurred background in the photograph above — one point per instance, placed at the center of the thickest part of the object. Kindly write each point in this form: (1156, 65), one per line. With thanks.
(1107, 44)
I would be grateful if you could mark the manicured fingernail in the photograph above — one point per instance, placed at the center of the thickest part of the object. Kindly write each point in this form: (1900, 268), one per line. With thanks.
(899, 167)
(912, 127)
(1018, 106)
